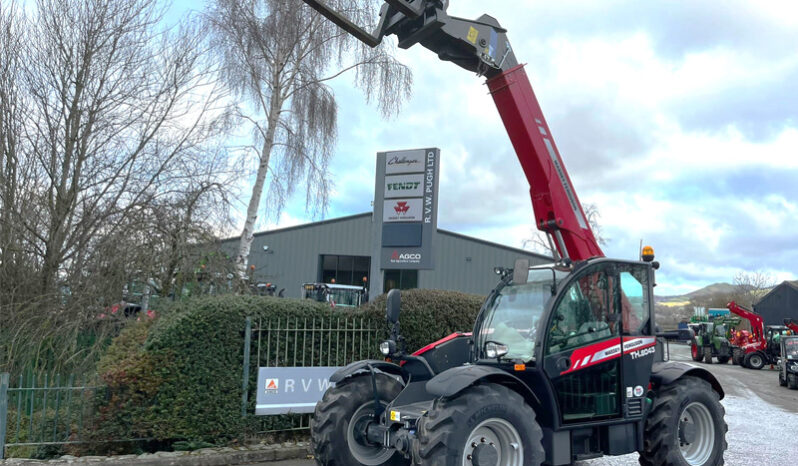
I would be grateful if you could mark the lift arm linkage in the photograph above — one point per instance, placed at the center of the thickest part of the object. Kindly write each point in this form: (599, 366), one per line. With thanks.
(757, 322)
(481, 46)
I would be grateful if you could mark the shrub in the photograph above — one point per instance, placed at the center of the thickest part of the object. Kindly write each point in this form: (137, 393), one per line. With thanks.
(179, 378)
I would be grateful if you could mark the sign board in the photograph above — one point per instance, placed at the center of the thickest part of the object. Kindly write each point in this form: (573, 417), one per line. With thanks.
(404, 186)
(405, 208)
(402, 210)
(404, 162)
(285, 390)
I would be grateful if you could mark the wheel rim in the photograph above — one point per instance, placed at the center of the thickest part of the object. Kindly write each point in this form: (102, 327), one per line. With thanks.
(696, 434)
(368, 455)
(695, 351)
(756, 360)
(494, 442)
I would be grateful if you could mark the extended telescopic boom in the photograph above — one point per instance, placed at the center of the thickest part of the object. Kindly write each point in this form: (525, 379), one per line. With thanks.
(481, 46)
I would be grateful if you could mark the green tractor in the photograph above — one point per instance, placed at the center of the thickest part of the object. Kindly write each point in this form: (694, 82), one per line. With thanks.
(712, 339)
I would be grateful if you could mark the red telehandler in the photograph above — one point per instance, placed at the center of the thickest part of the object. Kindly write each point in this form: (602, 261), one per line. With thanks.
(763, 345)
(564, 362)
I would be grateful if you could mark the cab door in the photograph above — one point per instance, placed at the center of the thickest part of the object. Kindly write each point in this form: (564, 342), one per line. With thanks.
(636, 305)
(582, 348)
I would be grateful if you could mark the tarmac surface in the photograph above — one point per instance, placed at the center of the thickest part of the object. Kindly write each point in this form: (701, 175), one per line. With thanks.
(762, 418)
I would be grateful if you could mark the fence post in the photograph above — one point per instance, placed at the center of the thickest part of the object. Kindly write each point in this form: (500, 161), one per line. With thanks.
(3, 412)
(245, 380)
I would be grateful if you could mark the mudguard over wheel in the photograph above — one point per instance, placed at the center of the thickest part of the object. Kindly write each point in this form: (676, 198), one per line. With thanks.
(695, 352)
(708, 355)
(483, 424)
(754, 360)
(333, 435)
(686, 426)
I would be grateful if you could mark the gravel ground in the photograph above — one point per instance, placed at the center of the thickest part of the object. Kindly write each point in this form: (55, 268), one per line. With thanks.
(759, 433)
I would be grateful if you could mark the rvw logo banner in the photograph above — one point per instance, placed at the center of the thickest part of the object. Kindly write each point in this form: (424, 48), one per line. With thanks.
(284, 390)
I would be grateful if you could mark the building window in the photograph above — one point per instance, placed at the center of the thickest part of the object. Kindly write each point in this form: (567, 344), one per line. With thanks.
(402, 279)
(344, 270)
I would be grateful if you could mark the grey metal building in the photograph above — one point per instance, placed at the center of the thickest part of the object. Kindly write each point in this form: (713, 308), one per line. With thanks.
(780, 303)
(342, 249)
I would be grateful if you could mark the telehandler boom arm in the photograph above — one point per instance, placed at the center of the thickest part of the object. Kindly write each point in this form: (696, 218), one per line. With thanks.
(481, 46)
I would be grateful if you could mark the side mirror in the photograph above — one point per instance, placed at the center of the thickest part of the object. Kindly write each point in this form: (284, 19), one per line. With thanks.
(521, 271)
(393, 306)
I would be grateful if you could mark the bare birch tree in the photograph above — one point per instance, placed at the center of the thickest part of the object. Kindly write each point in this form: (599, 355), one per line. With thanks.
(279, 56)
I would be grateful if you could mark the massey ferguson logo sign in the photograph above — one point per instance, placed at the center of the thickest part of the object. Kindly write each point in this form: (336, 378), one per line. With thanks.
(405, 257)
(402, 210)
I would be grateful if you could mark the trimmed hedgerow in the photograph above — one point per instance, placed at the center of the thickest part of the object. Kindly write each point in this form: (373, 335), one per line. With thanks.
(179, 378)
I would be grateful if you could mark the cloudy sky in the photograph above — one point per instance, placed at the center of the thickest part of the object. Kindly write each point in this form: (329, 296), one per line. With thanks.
(677, 119)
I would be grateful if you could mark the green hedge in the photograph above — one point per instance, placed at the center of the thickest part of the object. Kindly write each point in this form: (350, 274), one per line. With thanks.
(180, 377)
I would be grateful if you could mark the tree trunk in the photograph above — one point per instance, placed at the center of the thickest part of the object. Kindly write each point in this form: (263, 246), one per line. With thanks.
(248, 234)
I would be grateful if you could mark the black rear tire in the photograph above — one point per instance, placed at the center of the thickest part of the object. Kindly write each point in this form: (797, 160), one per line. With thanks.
(330, 426)
(663, 442)
(723, 359)
(737, 357)
(445, 431)
(695, 352)
(708, 355)
(782, 380)
(792, 381)
(754, 360)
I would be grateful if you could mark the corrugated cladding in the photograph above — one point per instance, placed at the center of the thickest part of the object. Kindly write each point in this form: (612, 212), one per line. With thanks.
(780, 303)
(293, 256)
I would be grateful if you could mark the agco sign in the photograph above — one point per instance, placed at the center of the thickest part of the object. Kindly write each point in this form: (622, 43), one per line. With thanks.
(405, 257)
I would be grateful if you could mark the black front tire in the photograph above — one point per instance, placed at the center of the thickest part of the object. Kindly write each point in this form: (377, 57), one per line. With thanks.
(330, 426)
(664, 443)
(792, 381)
(446, 431)
(723, 359)
(782, 380)
(708, 355)
(754, 360)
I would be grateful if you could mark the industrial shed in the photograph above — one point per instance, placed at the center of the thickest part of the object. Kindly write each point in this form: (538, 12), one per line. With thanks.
(780, 303)
(343, 249)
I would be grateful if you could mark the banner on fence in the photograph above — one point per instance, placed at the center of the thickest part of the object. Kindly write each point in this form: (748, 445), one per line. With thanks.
(285, 390)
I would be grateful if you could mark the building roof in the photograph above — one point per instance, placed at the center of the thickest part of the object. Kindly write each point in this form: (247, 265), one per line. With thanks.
(368, 214)
(790, 284)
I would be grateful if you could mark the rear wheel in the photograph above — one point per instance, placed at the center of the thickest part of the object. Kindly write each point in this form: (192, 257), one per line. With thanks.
(754, 361)
(697, 355)
(792, 381)
(708, 355)
(485, 424)
(340, 414)
(685, 426)
(782, 380)
(737, 357)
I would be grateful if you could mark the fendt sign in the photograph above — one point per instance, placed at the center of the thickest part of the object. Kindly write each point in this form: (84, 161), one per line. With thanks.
(405, 208)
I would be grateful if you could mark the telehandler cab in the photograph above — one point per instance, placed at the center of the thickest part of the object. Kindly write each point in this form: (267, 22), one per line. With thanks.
(564, 362)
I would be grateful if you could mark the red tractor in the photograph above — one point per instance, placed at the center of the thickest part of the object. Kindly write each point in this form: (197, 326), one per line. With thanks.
(762, 347)
(565, 361)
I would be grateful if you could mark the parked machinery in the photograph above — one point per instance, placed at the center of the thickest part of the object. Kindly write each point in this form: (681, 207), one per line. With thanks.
(564, 362)
(788, 362)
(713, 340)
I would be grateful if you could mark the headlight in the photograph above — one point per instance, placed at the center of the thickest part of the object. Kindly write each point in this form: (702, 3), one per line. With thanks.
(387, 347)
(495, 350)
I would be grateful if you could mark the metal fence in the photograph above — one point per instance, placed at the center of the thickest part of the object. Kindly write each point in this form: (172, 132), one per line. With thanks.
(38, 411)
(303, 342)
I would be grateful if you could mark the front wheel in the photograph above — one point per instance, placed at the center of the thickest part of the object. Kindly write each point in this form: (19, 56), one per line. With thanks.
(708, 355)
(334, 429)
(685, 426)
(754, 361)
(723, 359)
(782, 380)
(483, 424)
(792, 381)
